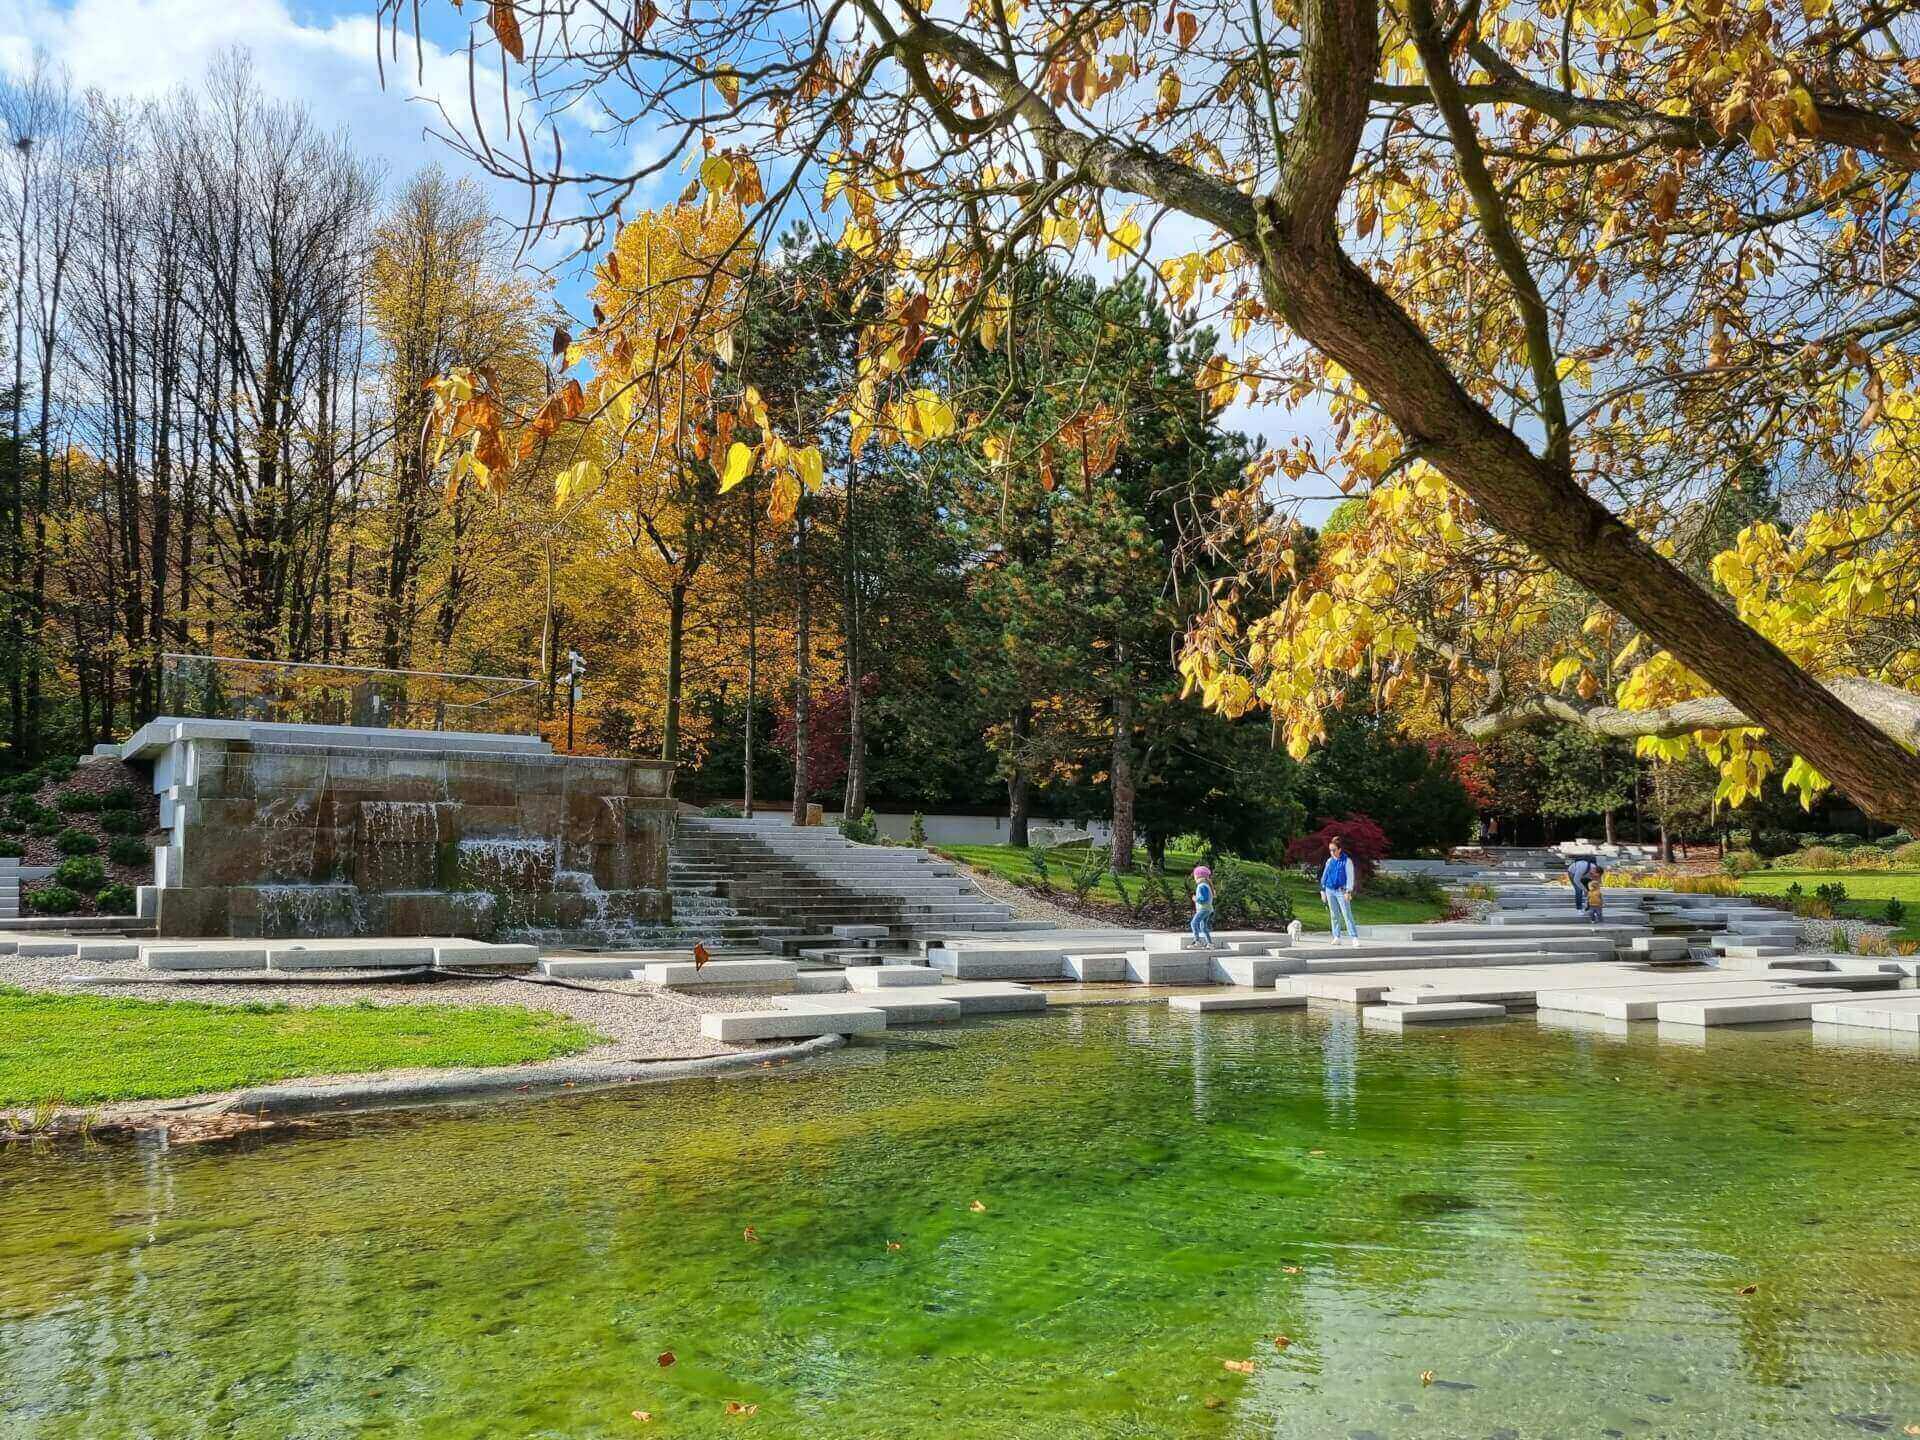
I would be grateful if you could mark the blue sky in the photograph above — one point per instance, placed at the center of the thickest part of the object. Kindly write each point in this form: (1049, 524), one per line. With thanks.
(322, 52)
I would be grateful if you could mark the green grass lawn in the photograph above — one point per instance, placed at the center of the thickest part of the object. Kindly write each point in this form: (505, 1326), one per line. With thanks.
(1012, 863)
(1867, 892)
(84, 1049)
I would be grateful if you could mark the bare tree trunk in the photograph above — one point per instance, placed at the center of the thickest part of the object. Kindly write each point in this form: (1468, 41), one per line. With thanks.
(676, 636)
(1121, 851)
(802, 670)
(1019, 786)
(753, 647)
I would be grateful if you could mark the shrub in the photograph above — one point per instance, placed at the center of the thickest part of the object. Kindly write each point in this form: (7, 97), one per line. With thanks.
(1244, 895)
(1088, 874)
(122, 822)
(1895, 911)
(115, 900)
(1874, 945)
(1818, 857)
(12, 848)
(1866, 857)
(1812, 909)
(26, 808)
(52, 900)
(82, 873)
(124, 850)
(1366, 844)
(721, 812)
(1475, 890)
(1908, 855)
(1772, 843)
(865, 830)
(75, 842)
(917, 831)
(1841, 840)
(76, 802)
(1833, 892)
(1838, 942)
(118, 797)
(1742, 862)
(1407, 887)
(43, 828)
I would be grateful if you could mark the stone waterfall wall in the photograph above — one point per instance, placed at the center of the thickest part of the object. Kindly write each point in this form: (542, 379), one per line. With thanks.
(287, 839)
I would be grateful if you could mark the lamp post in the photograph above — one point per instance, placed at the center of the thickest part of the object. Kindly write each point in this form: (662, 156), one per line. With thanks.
(576, 671)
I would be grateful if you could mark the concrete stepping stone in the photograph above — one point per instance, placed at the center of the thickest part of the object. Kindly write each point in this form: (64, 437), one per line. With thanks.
(1256, 971)
(861, 932)
(1255, 1000)
(1037, 962)
(99, 950)
(1088, 968)
(688, 975)
(1167, 967)
(1735, 1010)
(915, 1005)
(1401, 1017)
(892, 977)
(587, 967)
(987, 997)
(737, 1027)
(482, 955)
(349, 955)
(1897, 1011)
(820, 982)
(218, 956)
(1641, 1002)
(62, 948)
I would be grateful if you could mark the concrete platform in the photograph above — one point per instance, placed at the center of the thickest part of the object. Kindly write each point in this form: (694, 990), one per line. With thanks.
(1752, 1010)
(686, 975)
(1236, 1000)
(1108, 967)
(737, 1027)
(59, 947)
(1401, 1017)
(892, 977)
(1897, 1011)
(1001, 963)
(212, 955)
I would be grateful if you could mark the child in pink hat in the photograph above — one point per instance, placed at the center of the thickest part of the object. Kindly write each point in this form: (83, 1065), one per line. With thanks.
(1202, 923)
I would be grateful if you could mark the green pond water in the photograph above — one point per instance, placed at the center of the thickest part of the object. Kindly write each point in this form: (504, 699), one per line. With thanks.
(1557, 1225)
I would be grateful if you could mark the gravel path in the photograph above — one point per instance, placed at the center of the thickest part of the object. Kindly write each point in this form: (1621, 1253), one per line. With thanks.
(641, 1022)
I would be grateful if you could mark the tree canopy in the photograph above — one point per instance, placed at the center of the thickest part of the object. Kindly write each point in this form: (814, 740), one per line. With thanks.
(1558, 272)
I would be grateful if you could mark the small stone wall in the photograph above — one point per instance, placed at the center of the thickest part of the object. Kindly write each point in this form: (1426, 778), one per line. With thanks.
(279, 839)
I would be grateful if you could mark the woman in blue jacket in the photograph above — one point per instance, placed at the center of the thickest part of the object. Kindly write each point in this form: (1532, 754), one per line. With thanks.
(1336, 888)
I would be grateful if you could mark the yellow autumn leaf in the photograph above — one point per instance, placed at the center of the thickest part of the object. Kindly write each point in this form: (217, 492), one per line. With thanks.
(577, 478)
(716, 173)
(739, 466)
(811, 467)
(1125, 239)
(728, 84)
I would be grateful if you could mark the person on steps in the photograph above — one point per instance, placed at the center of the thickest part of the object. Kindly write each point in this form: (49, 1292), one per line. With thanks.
(1336, 888)
(1202, 923)
(1595, 903)
(1583, 872)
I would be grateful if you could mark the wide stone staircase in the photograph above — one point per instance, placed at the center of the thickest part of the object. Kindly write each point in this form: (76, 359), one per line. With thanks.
(797, 883)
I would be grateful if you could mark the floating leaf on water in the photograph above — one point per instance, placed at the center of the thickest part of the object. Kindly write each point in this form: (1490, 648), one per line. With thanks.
(734, 1407)
(892, 1246)
(1212, 1402)
(1426, 1377)
(1239, 1367)
(1280, 1342)
(977, 1208)
(645, 1417)
(667, 1357)
(1748, 1289)
(1289, 1269)
(1316, 1152)
(751, 1235)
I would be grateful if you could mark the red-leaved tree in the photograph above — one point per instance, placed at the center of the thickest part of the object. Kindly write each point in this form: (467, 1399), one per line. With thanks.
(1365, 841)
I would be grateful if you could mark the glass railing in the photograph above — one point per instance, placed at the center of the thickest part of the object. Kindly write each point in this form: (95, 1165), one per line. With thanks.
(220, 687)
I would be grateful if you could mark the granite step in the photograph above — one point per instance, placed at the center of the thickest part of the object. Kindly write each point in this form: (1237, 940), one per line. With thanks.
(1236, 1000)
(1400, 1017)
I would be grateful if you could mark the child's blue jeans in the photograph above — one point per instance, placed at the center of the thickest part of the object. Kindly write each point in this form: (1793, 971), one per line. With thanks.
(1202, 927)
